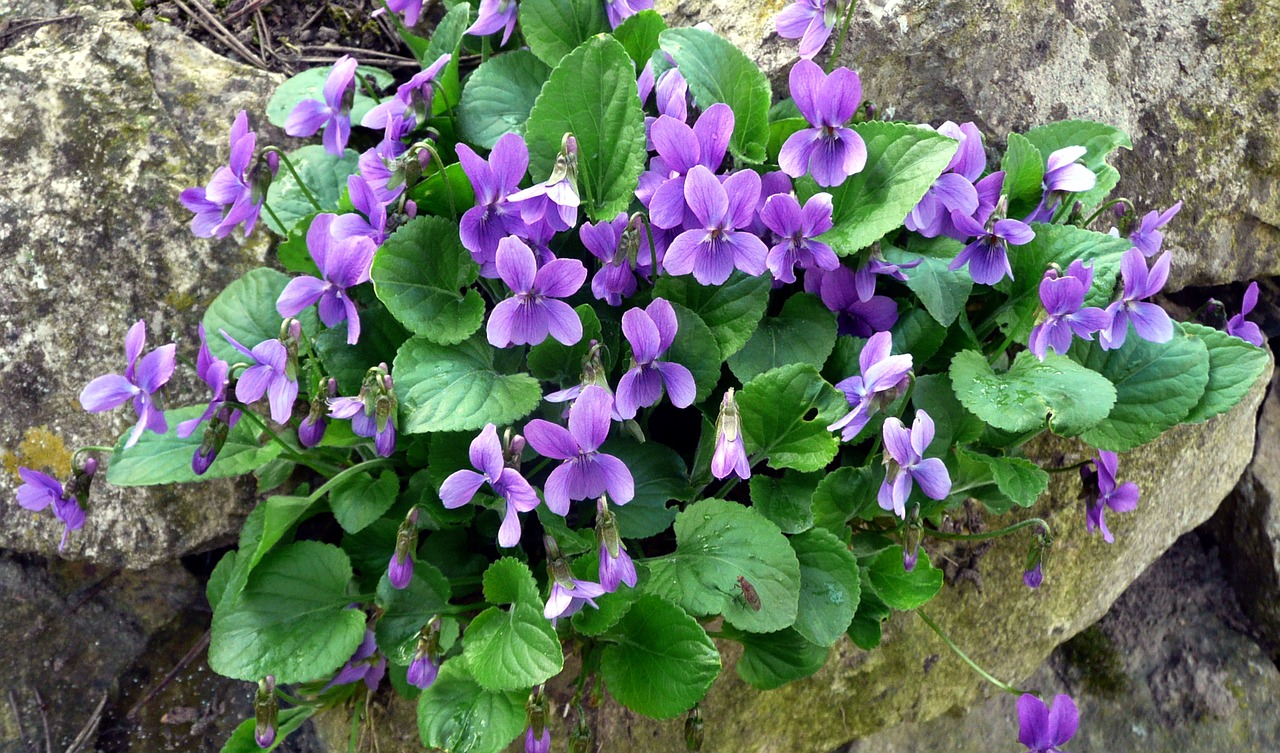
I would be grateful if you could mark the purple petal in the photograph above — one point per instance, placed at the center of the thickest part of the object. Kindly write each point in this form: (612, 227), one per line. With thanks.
(839, 97)
(1063, 720)
(281, 394)
(1033, 723)
(509, 160)
(743, 192)
(589, 417)
(516, 265)
(793, 20)
(107, 392)
(1015, 232)
(1071, 179)
(836, 157)
(814, 37)
(300, 293)
(706, 196)
(638, 388)
(617, 478)
(676, 142)
(556, 489)
(681, 389)
(459, 488)
(560, 278)
(713, 131)
(932, 477)
(509, 532)
(922, 431)
(897, 440)
(782, 214)
(749, 252)
(684, 251)
(516, 321)
(1151, 322)
(1133, 268)
(307, 117)
(486, 452)
(667, 205)
(643, 336)
(806, 81)
(253, 383)
(562, 320)
(340, 78)
(797, 151)
(550, 440)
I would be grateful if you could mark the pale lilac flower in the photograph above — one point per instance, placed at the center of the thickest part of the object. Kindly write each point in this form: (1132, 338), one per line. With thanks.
(1062, 175)
(1043, 730)
(333, 113)
(423, 670)
(616, 566)
(234, 194)
(373, 412)
(400, 570)
(493, 217)
(828, 151)
(586, 473)
(1150, 321)
(883, 379)
(730, 455)
(1063, 300)
(40, 490)
(507, 483)
(568, 597)
(269, 375)
(1240, 327)
(650, 332)
(671, 95)
(532, 312)
(555, 200)
(214, 372)
(365, 664)
(797, 230)
(410, 9)
(953, 191)
(494, 15)
(371, 223)
(537, 744)
(713, 247)
(1101, 493)
(623, 250)
(620, 10)
(988, 254)
(838, 290)
(344, 264)
(1148, 238)
(772, 183)
(141, 380)
(810, 21)
(904, 458)
(681, 148)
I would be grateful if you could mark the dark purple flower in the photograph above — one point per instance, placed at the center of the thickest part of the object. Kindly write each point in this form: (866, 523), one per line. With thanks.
(1240, 327)
(400, 570)
(838, 290)
(494, 15)
(493, 217)
(586, 473)
(828, 151)
(532, 312)
(713, 247)
(423, 670)
(365, 664)
(1062, 175)
(344, 264)
(507, 483)
(269, 375)
(988, 254)
(953, 191)
(797, 230)
(371, 223)
(810, 21)
(333, 114)
(537, 744)
(883, 379)
(141, 380)
(1034, 577)
(234, 194)
(988, 190)
(214, 372)
(620, 10)
(555, 200)
(1148, 238)
(650, 332)
(864, 280)
(1101, 492)
(1063, 299)
(373, 412)
(1149, 320)
(623, 250)
(681, 148)
(904, 457)
(40, 490)
(400, 567)
(1042, 730)
(730, 455)
(569, 594)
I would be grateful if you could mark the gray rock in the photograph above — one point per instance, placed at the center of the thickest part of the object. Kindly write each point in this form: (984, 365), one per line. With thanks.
(1195, 83)
(102, 124)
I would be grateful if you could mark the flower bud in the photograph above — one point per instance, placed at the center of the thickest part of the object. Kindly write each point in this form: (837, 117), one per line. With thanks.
(215, 436)
(400, 569)
(514, 450)
(693, 732)
(534, 743)
(566, 167)
(730, 456)
(911, 543)
(266, 709)
(291, 337)
(582, 740)
(616, 566)
(81, 481)
(1033, 572)
(1212, 314)
(411, 208)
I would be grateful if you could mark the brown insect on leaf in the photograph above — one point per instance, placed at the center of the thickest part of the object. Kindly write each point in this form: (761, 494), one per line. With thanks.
(749, 593)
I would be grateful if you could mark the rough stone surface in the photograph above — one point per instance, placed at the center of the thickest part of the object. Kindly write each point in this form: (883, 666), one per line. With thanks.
(1196, 83)
(102, 124)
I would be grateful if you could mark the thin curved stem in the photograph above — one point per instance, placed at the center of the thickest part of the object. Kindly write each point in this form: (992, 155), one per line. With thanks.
(444, 177)
(1066, 468)
(987, 534)
(972, 664)
(273, 214)
(343, 474)
(844, 32)
(290, 452)
(302, 185)
(1098, 212)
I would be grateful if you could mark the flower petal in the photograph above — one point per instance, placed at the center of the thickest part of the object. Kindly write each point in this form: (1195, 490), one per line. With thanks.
(107, 392)
(459, 488)
(550, 440)
(589, 417)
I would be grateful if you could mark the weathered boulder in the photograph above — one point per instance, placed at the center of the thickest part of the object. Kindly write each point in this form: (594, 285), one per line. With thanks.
(1196, 84)
(102, 124)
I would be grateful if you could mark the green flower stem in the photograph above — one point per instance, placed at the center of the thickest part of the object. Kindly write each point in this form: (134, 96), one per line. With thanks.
(1107, 205)
(653, 252)
(844, 32)
(448, 189)
(353, 742)
(343, 474)
(987, 534)
(302, 185)
(290, 452)
(368, 88)
(1066, 468)
(995, 354)
(273, 215)
(981, 672)
(90, 448)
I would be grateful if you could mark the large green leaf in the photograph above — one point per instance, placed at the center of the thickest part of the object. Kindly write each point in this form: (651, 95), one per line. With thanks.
(1023, 167)
(933, 394)
(592, 94)
(166, 459)
(903, 161)
(458, 388)
(405, 611)
(323, 173)
(865, 629)
(660, 661)
(660, 477)
(717, 71)
(803, 332)
(359, 500)
(514, 648)
(292, 620)
(1234, 366)
(900, 589)
(785, 500)
(1072, 397)
(732, 310)
(246, 310)
(639, 35)
(423, 275)
(717, 542)
(457, 715)
(771, 660)
(845, 494)
(1099, 141)
(829, 586)
(555, 28)
(943, 292)
(499, 95)
(309, 84)
(785, 413)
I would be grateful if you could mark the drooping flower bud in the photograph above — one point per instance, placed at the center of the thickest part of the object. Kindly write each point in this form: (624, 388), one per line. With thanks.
(566, 167)
(266, 709)
(426, 657)
(1212, 314)
(514, 450)
(400, 569)
(693, 731)
(582, 740)
(537, 738)
(730, 455)
(215, 436)
(312, 428)
(615, 564)
(81, 481)
(911, 542)
(291, 337)
(1033, 573)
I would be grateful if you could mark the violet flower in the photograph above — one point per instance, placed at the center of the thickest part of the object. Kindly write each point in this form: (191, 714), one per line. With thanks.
(1150, 321)
(373, 412)
(271, 374)
(234, 194)
(838, 290)
(620, 10)
(344, 264)
(864, 280)
(214, 372)
(989, 190)
(988, 254)
(1148, 238)
(554, 200)
(1063, 300)
(532, 312)
(493, 217)
(1034, 577)
(883, 379)
(650, 332)
(810, 21)
(797, 231)
(507, 484)
(1101, 492)
(623, 250)
(141, 380)
(713, 247)
(362, 666)
(1042, 730)
(371, 222)
(904, 458)
(494, 15)
(333, 114)
(953, 191)
(1240, 327)
(730, 455)
(537, 744)
(40, 490)
(1062, 175)
(410, 9)
(423, 670)
(828, 151)
(585, 473)
(616, 566)
(680, 148)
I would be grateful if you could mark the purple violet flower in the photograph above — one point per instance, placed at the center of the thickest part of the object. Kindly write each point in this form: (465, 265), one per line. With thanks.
(838, 290)
(828, 151)
(532, 312)
(569, 594)
(730, 455)
(423, 670)
(715, 245)
(40, 490)
(1150, 321)
(586, 473)
(1062, 175)
(620, 10)
(537, 744)
(1063, 299)
(507, 483)
(616, 566)
(1034, 577)
(271, 375)
(373, 412)
(650, 332)
(333, 114)
(624, 253)
(362, 666)
(214, 372)
(400, 570)
(1240, 327)
(344, 263)
(988, 190)
(1043, 730)
(797, 230)
(493, 217)
(810, 21)
(142, 379)
(494, 15)
(883, 379)
(1101, 492)
(681, 148)
(988, 254)
(1148, 238)
(371, 223)
(234, 194)
(953, 191)
(904, 458)
(864, 280)
(555, 200)
(410, 9)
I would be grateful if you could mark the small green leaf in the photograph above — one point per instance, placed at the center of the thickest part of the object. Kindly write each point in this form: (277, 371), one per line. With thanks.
(785, 413)
(942, 292)
(771, 660)
(732, 310)
(499, 95)
(660, 477)
(448, 34)
(843, 495)
(457, 715)
(458, 388)
(917, 332)
(933, 394)
(661, 662)
(638, 34)
(780, 131)
(900, 589)
(1073, 398)
(829, 586)
(423, 275)
(242, 740)
(309, 84)
(803, 332)
(1234, 366)
(1019, 479)
(407, 610)
(166, 459)
(865, 629)
(695, 348)
(246, 310)
(1023, 167)
(510, 649)
(786, 500)
(323, 173)
(611, 606)
(359, 500)
(555, 28)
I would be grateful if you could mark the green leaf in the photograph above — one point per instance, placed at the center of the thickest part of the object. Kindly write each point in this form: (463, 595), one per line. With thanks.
(732, 310)
(458, 388)
(933, 394)
(780, 131)
(242, 740)
(771, 660)
(1072, 397)
(1098, 139)
(444, 193)
(448, 34)
(660, 477)
(380, 337)
(1023, 167)
(309, 84)
(1234, 366)
(510, 649)
(1019, 479)
(829, 586)
(718, 542)
(219, 578)
(865, 629)
(457, 715)
(803, 332)
(266, 525)
(787, 500)
(845, 494)
(696, 349)
(903, 161)
(638, 34)
(323, 173)
(292, 619)
(1157, 385)
(662, 662)
(776, 409)
(900, 589)
(552, 361)
(611, 606)
(499, 95)
(166, 459)
(917, 332)
(592, 94)
(942, 292)
(405, 611)
(246, 310)
(423, 275)
(359, 500)
(555, 28)
(717, 71)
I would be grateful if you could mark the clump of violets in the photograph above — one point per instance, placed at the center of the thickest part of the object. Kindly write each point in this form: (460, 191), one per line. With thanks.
(331, 114)
(680, 148)
(1062, 296)
(1150, 322)
(953, 191)
(235, 194)
(827, 150)
(499, 471)
(883, 379)
(142, 379)
(493, 218)
(650, 332)
(906, 465)
(1101, 493)
(1043, 729)
(810, 21)
(1239, 326)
